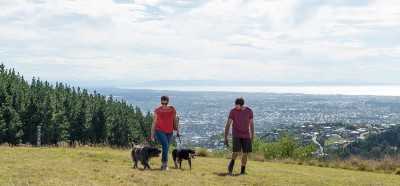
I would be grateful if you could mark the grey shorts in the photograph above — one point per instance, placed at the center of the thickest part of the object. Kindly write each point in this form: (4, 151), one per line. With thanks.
(242, 143)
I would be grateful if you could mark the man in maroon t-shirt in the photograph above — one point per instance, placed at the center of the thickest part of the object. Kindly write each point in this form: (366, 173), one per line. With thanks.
(242, 133)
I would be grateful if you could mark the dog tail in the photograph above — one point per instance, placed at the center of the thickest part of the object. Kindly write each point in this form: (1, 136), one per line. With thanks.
(131, 143)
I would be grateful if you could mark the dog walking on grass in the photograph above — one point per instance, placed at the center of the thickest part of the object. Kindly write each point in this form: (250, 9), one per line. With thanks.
(179, 154)
(143, 154)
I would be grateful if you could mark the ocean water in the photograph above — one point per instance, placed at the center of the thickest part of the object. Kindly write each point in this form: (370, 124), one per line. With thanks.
(383, 90)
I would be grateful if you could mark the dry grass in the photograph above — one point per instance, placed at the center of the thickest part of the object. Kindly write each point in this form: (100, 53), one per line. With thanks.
(106, 166)
(387, 165)
(257, 157)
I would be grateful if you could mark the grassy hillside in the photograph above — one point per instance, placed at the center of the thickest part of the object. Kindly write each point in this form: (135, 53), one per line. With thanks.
(105, 166)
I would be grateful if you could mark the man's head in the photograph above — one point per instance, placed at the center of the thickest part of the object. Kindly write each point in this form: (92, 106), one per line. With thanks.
(239, 102)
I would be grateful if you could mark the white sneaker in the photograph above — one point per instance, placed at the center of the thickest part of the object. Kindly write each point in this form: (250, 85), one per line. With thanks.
(164, 168)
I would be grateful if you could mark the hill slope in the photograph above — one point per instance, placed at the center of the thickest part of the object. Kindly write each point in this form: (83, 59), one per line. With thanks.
(375, 146)
(104, 166)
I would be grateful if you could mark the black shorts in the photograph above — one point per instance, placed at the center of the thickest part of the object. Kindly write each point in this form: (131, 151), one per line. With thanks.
(242, 143)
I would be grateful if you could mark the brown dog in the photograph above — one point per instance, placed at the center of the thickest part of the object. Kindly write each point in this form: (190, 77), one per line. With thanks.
(180, 154)
(143, 154)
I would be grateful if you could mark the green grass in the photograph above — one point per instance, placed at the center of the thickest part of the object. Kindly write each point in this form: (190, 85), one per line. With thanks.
(332, 140)
(106, 166)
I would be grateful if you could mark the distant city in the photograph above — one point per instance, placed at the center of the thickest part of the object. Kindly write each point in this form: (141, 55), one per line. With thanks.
(204, 114)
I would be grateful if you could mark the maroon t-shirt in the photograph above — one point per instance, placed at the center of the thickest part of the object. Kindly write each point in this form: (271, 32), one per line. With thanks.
(241, 122)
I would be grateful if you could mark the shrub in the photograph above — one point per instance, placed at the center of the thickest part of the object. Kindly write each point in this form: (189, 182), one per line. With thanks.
(398, 171)
(346, 166)
(289, 161)
(335, 164)
(285, 147)
(388, 163)
(225, 153)
(271, 151)
(304, 152)
(202, 153)
(258, 146)
(311, 163)
(362, 167)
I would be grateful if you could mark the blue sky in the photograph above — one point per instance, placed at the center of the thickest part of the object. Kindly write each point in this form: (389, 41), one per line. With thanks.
(127, 41)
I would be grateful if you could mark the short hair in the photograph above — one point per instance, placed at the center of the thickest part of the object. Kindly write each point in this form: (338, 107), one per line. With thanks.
(164, 98)
(239, 101)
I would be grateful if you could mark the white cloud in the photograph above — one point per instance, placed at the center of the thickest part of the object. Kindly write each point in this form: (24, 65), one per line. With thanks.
(277, 40)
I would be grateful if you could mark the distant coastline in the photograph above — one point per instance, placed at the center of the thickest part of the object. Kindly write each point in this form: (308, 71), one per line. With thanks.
(373, 90)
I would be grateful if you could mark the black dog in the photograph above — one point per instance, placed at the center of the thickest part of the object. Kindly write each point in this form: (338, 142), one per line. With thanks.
(143, 154)
(183, 154)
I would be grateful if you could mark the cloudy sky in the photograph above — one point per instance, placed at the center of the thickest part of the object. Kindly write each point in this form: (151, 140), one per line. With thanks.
(134, 41)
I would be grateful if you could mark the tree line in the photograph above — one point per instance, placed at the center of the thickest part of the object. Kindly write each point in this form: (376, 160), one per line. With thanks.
(65, 114)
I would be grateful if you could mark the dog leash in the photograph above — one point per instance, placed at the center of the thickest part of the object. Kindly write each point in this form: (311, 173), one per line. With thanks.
(227, 145)
(179, 138)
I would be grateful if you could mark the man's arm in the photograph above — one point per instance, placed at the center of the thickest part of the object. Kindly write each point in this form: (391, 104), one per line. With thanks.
(228, 125)
(252, 130)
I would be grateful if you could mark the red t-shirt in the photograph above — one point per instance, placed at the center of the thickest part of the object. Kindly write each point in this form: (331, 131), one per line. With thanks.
(165, 119)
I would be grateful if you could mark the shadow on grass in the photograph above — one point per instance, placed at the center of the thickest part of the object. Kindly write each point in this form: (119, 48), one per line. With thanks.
(225, 174)
(158, 169)
(142, 169)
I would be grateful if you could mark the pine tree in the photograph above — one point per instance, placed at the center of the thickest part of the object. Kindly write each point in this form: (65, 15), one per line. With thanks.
(65, 114)
(47, 124)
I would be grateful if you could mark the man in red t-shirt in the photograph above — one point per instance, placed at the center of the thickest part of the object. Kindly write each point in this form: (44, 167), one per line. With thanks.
(242, 132)
(162, 125)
